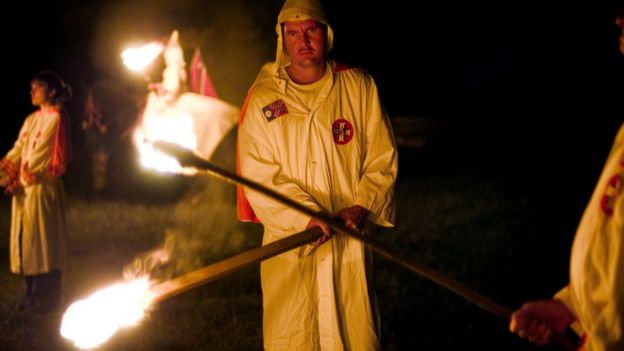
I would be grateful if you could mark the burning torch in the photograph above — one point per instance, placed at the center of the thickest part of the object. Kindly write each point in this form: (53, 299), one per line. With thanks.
(188, 159)
(92, 321)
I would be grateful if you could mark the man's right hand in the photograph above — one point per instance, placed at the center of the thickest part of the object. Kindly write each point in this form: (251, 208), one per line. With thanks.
(537, 320)
(327, 232)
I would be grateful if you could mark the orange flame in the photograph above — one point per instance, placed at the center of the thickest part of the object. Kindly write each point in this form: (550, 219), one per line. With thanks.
(175, 129)
(90, 322)
(137, 59)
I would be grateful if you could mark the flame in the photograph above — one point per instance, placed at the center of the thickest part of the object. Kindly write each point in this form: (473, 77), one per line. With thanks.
(137, 59)
(92, 321)
(195, 122)
(175, 129)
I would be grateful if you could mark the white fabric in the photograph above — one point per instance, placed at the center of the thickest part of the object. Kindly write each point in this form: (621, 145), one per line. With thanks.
(174, 75)
(299, 10)
(596, 290)
(318, 301)
(37, 212)
(203, 120)
(192, 120)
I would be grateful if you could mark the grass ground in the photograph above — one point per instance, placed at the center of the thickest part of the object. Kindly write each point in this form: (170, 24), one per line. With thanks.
(477, 226)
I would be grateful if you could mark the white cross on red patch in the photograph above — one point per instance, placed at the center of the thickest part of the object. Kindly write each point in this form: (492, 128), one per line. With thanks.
(342, 131)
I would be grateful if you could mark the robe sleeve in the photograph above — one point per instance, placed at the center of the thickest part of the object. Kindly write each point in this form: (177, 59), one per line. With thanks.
(607, 330)
(564, 296)
(39, 159)
(10, 164)
(375, 190)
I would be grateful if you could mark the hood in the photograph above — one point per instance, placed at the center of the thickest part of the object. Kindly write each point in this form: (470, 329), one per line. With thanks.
(299, 10)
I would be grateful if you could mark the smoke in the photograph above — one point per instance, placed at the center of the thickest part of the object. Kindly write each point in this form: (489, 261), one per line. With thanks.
(236, 37)
(205, 228)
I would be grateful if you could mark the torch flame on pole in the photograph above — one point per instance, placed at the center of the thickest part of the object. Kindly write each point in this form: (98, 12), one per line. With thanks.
(137, 59)
(177, 129)
(178, 120)
(190, 120)
(92, 321)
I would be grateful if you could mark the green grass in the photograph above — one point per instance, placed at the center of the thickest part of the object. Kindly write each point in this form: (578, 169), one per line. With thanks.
(474, 227)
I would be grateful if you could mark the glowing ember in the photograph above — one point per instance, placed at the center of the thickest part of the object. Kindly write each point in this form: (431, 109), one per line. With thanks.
(92, 321)
(137, 59)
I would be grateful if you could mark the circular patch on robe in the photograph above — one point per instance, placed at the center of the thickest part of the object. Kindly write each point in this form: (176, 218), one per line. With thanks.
(342, 131)
(614, 187)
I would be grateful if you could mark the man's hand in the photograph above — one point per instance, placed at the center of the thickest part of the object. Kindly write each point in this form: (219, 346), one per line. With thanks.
(354, 217)
(324, 227)
(537, 320)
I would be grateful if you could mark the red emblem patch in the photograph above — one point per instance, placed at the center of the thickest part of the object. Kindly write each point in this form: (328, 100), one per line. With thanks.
(614, 187)
(274, 110)
(342, 131)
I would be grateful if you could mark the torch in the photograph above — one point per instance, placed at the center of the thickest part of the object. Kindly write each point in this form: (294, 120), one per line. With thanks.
(187, 158)
(92, 321)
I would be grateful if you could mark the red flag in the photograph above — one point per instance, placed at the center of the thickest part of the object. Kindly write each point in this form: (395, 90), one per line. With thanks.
(200, 79)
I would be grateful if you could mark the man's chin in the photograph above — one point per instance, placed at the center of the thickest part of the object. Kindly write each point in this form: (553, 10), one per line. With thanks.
(309, 61)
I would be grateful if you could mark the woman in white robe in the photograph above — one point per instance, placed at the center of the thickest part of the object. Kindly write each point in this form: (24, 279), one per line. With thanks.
(31, 174)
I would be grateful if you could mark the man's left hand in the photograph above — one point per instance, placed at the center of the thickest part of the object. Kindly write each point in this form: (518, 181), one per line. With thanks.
(354, 217)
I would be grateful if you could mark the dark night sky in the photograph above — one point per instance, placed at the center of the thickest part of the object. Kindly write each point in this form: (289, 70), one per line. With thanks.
(530, 86)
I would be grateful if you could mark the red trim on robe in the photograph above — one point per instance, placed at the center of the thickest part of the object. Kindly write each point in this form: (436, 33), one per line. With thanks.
(62, 152)
(244, 211)
(584, 338)
(10, 169)
(341, 67)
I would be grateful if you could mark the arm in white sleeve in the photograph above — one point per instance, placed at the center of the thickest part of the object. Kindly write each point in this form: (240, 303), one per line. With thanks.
(259, 164)
(40, 156)
(607, 330)
(380, 167)
(10, 164)
(15, 154)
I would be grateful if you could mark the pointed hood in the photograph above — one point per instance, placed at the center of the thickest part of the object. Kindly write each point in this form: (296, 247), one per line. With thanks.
(174, 74)
(299, 10)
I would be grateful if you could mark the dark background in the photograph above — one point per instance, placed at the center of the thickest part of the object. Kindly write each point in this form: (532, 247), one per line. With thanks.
(532, 87)
(527, 94)
(528, 91)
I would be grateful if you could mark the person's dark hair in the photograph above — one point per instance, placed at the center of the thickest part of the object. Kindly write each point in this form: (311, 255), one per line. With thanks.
(62, 90)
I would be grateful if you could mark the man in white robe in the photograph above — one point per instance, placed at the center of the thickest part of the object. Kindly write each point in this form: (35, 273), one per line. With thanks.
(593, 302)
(315, 131)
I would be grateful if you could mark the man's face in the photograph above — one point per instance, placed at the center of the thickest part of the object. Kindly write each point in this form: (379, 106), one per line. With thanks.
(620, 22)
(304, 42)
